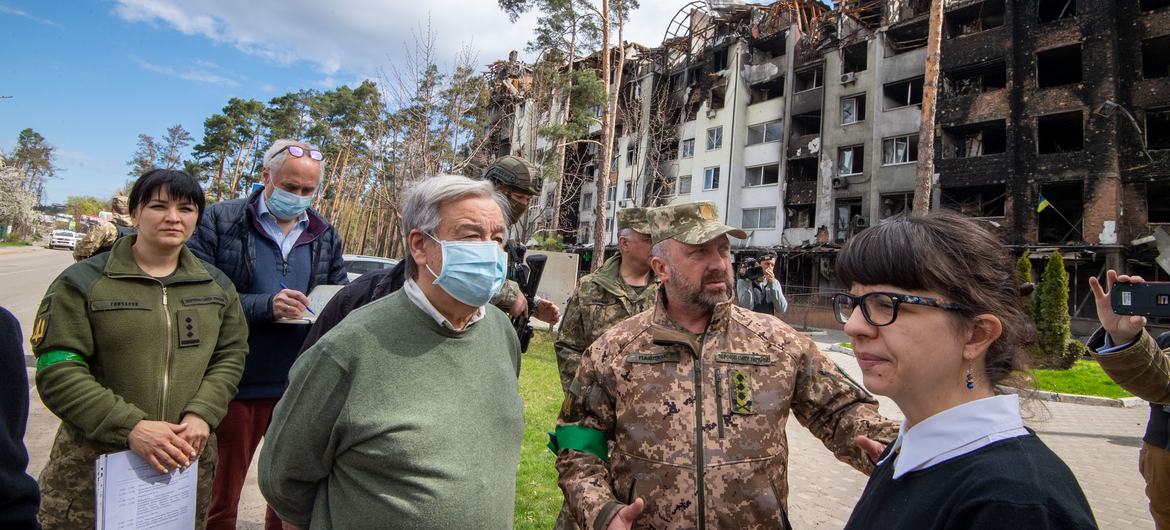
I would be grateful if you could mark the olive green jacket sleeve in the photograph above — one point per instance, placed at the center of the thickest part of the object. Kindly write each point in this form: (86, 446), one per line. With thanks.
(227, 362)
(1142, 369)
(571, 342)
(67, 387)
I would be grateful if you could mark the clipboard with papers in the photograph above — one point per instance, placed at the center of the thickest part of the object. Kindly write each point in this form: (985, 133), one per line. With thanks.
(318, 298)
(131, 495)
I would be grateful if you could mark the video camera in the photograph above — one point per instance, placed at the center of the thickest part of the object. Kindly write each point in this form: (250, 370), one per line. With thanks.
(752, 269)
(1150, 299)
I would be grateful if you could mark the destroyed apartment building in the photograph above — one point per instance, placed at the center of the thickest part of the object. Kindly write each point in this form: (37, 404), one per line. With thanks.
(801, 122)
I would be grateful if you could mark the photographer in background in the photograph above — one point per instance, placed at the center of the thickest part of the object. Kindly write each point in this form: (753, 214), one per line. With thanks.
(757, 288)
(1141, 365)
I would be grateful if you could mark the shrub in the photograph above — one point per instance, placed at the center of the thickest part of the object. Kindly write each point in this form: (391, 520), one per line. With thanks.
(1052, 318)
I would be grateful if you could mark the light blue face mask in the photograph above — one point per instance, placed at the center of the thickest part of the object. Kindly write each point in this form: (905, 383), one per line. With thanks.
(285, 205)
(472, 270)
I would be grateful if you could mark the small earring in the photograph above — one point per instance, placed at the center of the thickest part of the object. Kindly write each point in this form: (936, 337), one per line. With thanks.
(970, 379)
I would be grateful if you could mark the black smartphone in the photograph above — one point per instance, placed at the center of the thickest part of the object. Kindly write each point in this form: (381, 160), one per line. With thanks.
(1150, 299)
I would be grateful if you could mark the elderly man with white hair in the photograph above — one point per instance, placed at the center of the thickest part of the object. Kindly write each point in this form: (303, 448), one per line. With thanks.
(407, 414)
(275, 249)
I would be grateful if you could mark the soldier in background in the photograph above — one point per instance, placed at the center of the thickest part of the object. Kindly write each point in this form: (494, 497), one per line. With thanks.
(622, 288)
(694, 397)
(101, 239)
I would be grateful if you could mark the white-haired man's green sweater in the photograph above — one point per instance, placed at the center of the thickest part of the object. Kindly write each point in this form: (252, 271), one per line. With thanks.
(393, 421)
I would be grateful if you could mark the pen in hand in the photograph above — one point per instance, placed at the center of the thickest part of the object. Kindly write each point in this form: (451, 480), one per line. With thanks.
(307, 308)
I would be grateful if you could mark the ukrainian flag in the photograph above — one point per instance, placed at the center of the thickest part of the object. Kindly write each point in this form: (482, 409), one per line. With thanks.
(1043, 204)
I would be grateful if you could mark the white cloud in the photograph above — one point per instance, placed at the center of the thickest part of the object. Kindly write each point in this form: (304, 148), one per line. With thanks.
(21, 13)
(194, 72)
(359, 38)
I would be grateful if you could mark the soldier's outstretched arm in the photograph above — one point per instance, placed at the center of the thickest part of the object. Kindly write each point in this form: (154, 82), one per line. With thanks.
(837, 409)
(584, 430)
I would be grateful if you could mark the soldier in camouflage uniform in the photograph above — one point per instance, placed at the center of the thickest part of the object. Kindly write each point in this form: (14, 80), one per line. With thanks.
(102, 238)
(676, 417)
(622, 288)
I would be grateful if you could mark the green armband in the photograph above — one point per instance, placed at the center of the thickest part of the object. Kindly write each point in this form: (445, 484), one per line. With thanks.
(48, 359)
(582, 439)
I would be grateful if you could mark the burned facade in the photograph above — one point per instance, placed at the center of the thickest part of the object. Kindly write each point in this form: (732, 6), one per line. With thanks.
(801, 122)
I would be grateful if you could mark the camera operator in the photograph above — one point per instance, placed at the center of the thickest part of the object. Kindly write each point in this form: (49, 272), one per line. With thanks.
(757, 288)
(1141, 365)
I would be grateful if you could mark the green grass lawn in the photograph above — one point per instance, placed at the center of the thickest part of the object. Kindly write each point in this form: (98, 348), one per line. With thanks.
(14, 243)
(1085, 378)
(538, 499)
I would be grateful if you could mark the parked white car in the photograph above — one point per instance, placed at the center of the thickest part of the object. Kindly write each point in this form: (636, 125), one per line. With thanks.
(357, 265)
(64, 239)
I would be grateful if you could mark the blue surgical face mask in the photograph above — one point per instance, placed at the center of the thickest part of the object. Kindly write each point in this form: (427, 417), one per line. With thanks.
(472, 270)
(285, 205)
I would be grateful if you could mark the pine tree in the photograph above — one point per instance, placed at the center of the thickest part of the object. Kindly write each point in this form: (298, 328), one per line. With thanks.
(1052, 320)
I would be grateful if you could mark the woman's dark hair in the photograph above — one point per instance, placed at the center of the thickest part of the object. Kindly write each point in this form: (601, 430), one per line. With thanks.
(954, 256)
(178, 184)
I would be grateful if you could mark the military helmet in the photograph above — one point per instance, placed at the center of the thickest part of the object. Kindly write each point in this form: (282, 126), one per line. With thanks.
(515, 172)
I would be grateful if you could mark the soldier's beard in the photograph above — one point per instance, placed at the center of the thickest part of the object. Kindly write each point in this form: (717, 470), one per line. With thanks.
(695, 294)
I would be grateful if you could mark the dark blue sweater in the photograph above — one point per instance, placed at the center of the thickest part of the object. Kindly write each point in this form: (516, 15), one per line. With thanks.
(19, 495)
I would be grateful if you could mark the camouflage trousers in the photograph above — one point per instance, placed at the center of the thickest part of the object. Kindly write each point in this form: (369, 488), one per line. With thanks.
(67, 493)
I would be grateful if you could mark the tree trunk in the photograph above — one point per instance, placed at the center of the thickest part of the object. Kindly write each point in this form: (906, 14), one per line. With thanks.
(925, 176)
(602, 180)
(219, 178)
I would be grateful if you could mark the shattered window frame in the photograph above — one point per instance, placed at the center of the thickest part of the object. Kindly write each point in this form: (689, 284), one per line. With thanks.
(910, 93)
(800, 215)
(890, 154)
(711, 178)
(896, 205)
(818, 78)
(856, 160)
(858, 106)
(715, 138)
(1161, 118)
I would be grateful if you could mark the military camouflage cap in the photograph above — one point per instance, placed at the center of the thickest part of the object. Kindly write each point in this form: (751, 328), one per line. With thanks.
(120, 204)
(636, 218)
(516, 172)
(692, 223)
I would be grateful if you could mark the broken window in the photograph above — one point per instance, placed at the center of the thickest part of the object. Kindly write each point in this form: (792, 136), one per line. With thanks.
(711, 178)
(1156, 57)
(900, 150)
(628, 190)
(631, 153)
(610, 195)
(902, 39)
(974, 18)
(977, 139)
(676, 81)
(1058, 66)
(756, 218)
(587, 201)
(765, 132)
(1060, 133)
(1150, 5)
(715, 138)
(850, 160)
(802, 170)
(806, 124)
(976, 201)
(1158, 129)
(852, 109)
(687, 148)
(1061, 220)
(684, 184)
(799, 215)
(903, 93)
(896, 205)
(810, 78)
(761, 175)
(767, 90)
(1157, 207)
(848, 217)
(719, 61)
(854, 58)
(975, 79)
(694, 75)
(1053, 10)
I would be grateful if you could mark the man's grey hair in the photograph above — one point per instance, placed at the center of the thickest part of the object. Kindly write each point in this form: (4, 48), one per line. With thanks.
(420, 207)
(276, 155)
(659, 249)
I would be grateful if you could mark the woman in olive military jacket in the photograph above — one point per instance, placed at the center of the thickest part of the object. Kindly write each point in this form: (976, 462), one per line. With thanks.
(139, 348)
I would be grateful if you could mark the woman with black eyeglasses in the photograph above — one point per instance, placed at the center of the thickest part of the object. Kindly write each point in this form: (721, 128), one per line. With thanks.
(935, 317)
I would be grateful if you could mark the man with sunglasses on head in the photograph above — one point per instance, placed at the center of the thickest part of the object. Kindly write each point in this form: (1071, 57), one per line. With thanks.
(275, 249)
(676, 417)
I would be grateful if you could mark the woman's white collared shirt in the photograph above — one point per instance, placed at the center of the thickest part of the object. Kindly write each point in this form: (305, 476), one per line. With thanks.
(955, 432)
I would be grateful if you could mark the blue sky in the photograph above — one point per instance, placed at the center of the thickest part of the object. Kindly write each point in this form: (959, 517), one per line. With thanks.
(91, 75)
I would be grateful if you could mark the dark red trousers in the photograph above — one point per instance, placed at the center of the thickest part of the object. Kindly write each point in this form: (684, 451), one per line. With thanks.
(238, 436)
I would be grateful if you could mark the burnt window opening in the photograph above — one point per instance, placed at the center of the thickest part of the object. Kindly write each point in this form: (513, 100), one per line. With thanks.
(896, 205)
(976, 79)
(1157, 207)
(974, 18)
(853, 109)
(718, 96)
(1060, 133)
(767, 90)
(1150, 5)
(719, 61)
(676, 81)
(799, 215)
(855, 58)
(776, 43)
(903, 93)
(1053, 10)
(1061, 221)
(902, 39)
(1058, 66)
(806, 124)
(802, 170)
(1158, 129)
(810, 79)
(850, 160)
(976, 201)
(1156, 57)
(977, 139)
(694, 75)
(848, 218)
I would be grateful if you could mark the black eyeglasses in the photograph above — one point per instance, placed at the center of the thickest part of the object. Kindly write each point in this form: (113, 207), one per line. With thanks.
(298, 151)
(881, 309)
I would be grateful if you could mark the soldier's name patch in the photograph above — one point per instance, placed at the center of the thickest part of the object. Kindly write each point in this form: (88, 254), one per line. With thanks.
(204, 300)
(113, 305)
(758, 359)
(652, 358)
